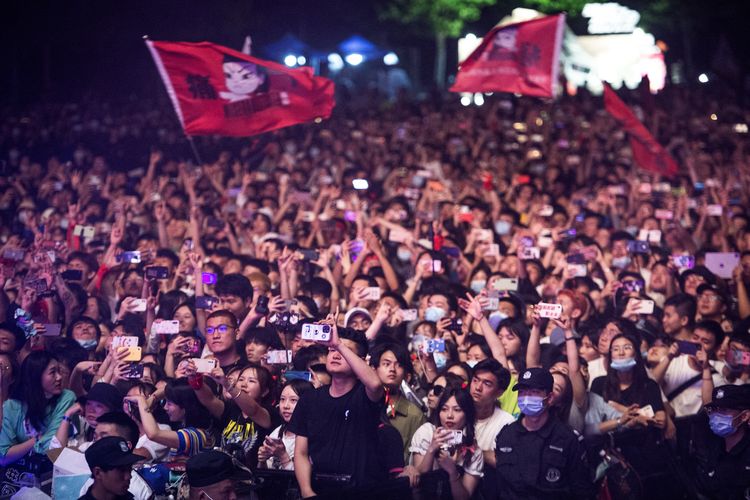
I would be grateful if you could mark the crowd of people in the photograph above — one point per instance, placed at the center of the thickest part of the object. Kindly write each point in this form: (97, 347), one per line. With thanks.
(412, 297)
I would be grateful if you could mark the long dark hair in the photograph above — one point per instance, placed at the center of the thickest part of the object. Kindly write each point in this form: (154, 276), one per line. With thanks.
(466, 403)
(180, 393)
(30, 393)
(299, 387)
(562, 408)
(640, 377)
(520, 330)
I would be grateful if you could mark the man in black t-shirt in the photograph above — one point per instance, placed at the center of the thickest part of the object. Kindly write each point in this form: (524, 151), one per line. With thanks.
(337, 425)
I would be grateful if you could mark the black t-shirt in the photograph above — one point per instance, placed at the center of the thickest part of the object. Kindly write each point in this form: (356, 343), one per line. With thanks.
(390, 449)
(649, 395)
(241, 436)
(342, 432)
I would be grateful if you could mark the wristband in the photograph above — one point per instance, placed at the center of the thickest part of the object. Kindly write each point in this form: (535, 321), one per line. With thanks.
(569, 338)
(66, 419)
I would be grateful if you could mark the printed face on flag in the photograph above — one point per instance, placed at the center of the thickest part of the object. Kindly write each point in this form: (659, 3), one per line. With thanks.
(217, 90)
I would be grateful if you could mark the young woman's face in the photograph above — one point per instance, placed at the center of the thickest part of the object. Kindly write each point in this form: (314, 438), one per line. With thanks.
(432, 398)
(510, 341)
(452, 416)
(587, 350)
(249, 383)
(184, 315)
(175, 412)
(52, 379)
(287, 403)
(558, 388)
(7, 370)
(7, 341)
(94, 410)
(609, 331)
(622, 348)
(475, 354)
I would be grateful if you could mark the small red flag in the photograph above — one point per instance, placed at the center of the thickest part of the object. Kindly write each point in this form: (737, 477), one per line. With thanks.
(521, 58)
(217, 90)
(647, 152)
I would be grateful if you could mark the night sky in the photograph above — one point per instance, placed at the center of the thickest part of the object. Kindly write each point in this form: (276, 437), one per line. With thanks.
(69, 48)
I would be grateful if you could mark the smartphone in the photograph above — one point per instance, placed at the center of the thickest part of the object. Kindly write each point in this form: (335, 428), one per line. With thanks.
(689, 348)
(37, 284)
(208, 278)
(398, 235)
(373, 293)
(193, 346)
(135, 371)
(130, 257)
(645, 306)
(409, 314)
(683, 261)
(432, 265)
(663, 214)
(206, 302)
(576, 258)
(360, 184)
(546, 211)
(316, 332)
(529, 253)
(15, 255)
(714, 210)
(52, 329)
(298, 375)
(124, 341)
(647, 411)
(493, 250)
(551, 311)
(637, 246)
(633, 285)
(578, 270)
(215, 223)
(309, 254)
(204, 365)
(492, 304)
(722, 263)
(739, 358)
(139, 305)
(72, 275)
(279, 357)
(157, 273)
(434, 345)
(523, 179)
(506, 284)
(262, 305)
(483, 234)
(134, 354)
(165, 327)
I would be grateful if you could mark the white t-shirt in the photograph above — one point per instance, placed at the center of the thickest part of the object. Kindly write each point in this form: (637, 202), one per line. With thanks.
(486, 431)
(689, 401)
(158, 451)
(421, 441)
(719, 378)
(596, 369)
(288, 444)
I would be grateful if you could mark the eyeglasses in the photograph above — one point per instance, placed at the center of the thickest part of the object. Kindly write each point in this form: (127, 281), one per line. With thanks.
(210, 330)
(437, 390)
(709, 297)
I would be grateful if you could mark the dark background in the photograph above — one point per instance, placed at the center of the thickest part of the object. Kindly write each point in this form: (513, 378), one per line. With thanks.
(67, 49)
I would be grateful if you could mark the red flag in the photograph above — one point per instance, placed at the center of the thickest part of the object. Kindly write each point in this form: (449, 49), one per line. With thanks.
(647, 152)
(217, 90)
(521, 58)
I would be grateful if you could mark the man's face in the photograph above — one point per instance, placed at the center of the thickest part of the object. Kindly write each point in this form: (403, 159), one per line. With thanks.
(440, 301)
(705, 338)
(94, 410)
(255, 351)
(234, 304)
(106, 430)
(710, 304)
(390, 371)
(359, 322)
(484, 388)
(132, 285)
(115, 481)
(335, 362)
(671, 320)
(223, 489)
(220, 334)
(79, 265)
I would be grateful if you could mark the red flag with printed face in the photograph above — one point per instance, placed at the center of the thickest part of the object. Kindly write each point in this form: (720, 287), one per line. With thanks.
(217, 90)
(522, 58)
(647, 152)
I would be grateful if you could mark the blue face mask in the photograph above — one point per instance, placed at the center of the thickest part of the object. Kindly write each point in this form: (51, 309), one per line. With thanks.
(502, 227)
(440, 360)
(403, 255)
(721, 424)
(478, 285)
(495, 318)
(623, 365)
(434, 314)
(88, 344)
(531, 405)
(621, 262)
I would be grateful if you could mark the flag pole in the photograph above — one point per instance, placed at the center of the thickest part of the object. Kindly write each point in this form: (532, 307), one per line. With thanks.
(172, 96)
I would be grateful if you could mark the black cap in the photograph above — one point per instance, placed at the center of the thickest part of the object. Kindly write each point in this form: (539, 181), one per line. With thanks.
(106, 394)
(110, 452)
(732, 397)
(535, 378)
(718, 291)
(211, 467)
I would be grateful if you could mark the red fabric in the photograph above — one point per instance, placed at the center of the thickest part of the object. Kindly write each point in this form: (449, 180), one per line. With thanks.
(647, 152)
(217, 90)
(521, 58)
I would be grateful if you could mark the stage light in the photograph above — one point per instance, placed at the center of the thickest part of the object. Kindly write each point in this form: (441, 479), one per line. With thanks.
(703, 78)
(390, 59)
(466, 99)
(335, 63)
(354, 59)
(301, 60)
(290, 60)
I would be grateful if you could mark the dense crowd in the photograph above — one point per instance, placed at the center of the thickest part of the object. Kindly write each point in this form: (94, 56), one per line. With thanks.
(411, 297)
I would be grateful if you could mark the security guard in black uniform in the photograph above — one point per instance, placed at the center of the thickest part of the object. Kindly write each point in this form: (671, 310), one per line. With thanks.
(538, 456)
(723, 463)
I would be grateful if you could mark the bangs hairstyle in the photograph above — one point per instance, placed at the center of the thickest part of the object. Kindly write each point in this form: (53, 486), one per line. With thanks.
(265, 380)
(466, 403)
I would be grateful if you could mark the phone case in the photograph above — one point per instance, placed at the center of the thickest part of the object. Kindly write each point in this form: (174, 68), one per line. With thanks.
(134, 354)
